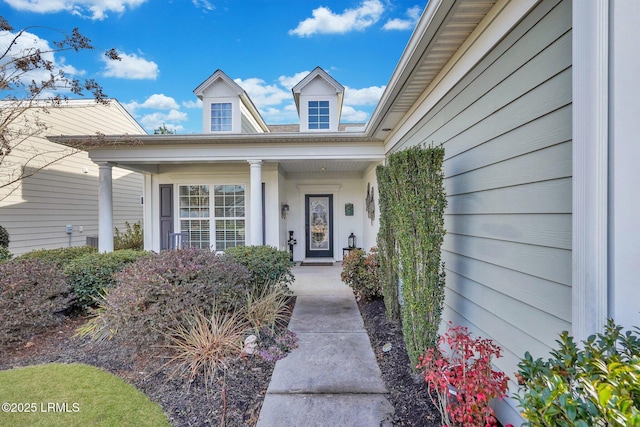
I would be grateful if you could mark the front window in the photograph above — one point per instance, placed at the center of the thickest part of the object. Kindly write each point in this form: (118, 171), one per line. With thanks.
(195, 217)
(221, 117)
(229, 216)
(228, 219)
(318, 114)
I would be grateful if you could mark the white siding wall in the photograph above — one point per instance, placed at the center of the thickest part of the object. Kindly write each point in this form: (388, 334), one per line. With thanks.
(220, 92)
(506, 129)
(36, 213)
(319, 90)
(370, 228)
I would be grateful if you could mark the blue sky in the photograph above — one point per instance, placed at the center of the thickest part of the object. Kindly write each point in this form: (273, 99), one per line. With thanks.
(169, 47)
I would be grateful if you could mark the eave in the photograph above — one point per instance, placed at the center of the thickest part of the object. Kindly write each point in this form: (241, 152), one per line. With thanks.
(442, 30)
(145, 153)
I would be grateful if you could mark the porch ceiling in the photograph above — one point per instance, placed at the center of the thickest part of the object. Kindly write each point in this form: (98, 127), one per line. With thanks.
(325, 166)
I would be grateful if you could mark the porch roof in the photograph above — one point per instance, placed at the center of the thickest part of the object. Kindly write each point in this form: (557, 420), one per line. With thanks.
(296, 152)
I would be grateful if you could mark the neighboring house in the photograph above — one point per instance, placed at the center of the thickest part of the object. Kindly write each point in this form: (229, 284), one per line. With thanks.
(536, 104)
(37, 212)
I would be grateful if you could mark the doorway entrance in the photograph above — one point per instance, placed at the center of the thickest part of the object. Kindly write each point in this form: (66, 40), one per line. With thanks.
(319, 225)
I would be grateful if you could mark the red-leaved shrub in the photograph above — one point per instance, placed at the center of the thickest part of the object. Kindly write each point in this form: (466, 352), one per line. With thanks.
(156, 294)
(460, 374)
(33, 295)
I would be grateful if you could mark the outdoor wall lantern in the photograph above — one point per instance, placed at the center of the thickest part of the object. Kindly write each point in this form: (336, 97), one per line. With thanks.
(352, 240)
(284, 210)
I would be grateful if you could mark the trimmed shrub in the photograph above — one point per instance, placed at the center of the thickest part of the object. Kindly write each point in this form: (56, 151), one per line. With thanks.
(461, 379)
(91, 274)
(33, 294)
(413, 201)
(362, 273)
(596, 384)
(60, 256)
(4, 237)
(132, 238)
(267, 264)
(5, 254)
(155, 294)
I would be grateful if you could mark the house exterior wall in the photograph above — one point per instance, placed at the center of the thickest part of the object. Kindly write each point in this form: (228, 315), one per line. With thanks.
(370, 226)
(66, 193)
(282, 222)
(278, 188)
(506, 128)
(625, 153)
(270, 178)
(249, 123)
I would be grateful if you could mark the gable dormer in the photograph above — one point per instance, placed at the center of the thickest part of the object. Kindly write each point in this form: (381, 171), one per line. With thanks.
(226, 107)
(318, 99)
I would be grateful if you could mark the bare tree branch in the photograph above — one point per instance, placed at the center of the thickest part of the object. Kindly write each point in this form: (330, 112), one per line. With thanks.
(31, 84)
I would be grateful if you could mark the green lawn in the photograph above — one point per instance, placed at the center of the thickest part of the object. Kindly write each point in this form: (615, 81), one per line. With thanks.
(73, 395)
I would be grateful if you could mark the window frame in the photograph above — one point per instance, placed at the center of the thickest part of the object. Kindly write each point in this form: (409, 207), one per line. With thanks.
(223, 119)
(232, 212)
(320, 119)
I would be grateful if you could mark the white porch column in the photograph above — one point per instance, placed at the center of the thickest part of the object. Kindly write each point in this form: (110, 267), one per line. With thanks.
(624, 176)
(590, 166)
(255, 213)
(105, 208)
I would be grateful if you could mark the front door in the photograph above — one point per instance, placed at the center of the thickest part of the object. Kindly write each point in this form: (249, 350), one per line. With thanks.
(319, 225)
(166, 215)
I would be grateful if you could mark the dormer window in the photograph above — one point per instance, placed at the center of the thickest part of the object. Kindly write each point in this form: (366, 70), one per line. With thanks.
(318, 115)
(221, 117)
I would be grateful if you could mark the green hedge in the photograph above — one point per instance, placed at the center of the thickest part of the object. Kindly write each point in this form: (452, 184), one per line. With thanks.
(91, 274)
(267, 264)
(60, 256)
(4, 237)
(413, 201)
(595, 383)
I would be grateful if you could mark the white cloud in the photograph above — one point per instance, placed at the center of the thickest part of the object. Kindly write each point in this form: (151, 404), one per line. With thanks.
(203, 4)
(283, 115)
(95, 9)
(413, 15)
(263, 94)
(290, 81)
(351, 115)
(324, 21)
(160, 101)
(365, 96)
(157, 101)
(155, 120)
(192, 104)
(131, 66)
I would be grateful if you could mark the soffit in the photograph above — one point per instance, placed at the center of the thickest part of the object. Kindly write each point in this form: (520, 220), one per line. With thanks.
(433, 46)
(324, 166)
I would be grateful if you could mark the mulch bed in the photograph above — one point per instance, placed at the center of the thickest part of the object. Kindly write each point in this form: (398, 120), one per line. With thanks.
(236, 394)
(407, 390)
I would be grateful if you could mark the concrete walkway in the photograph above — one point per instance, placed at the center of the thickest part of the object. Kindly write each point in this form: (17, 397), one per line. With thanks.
(332, 378)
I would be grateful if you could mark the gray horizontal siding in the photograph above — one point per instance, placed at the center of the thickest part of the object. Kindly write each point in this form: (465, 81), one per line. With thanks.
(506, 129)
(36, 213)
